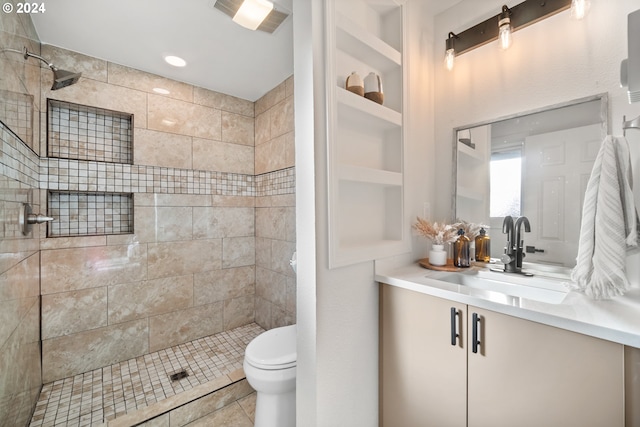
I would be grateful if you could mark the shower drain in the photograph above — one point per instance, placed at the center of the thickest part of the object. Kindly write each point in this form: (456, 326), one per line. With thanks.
(176, 376)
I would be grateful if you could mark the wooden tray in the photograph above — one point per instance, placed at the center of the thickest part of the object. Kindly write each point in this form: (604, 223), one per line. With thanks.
(424, 262)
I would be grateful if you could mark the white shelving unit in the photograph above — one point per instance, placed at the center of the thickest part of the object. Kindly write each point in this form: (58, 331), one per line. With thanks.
(366, 139)
(472, 186)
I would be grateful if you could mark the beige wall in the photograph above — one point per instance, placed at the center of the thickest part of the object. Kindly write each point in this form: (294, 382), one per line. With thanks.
(20, 379)
(275, 208)
(189, 269)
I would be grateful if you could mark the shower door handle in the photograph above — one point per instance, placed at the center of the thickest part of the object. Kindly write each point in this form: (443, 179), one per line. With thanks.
(27, 218)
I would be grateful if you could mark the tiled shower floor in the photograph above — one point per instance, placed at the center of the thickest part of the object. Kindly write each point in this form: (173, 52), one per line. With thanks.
(106, 393)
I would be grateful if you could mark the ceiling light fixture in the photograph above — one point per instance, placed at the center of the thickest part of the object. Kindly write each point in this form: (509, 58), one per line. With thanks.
(579, 8)
(261, 15)
(502, 25)
(252, 12)
(176, 61)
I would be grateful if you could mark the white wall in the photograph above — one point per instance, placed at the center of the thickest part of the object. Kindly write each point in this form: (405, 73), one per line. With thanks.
(552, 61)
(338, 309)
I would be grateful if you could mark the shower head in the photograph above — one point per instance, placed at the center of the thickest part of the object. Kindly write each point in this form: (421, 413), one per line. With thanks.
(61, 78)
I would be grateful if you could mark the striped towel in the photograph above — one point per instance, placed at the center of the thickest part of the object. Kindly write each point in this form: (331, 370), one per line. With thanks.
(609, 224)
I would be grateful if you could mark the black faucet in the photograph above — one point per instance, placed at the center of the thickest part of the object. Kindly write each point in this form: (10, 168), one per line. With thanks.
(514, 250)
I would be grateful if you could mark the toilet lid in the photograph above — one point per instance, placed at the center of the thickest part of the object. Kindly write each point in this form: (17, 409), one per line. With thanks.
(273, 349)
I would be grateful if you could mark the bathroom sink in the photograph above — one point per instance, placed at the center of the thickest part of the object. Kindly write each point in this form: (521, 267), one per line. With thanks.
(511, 287)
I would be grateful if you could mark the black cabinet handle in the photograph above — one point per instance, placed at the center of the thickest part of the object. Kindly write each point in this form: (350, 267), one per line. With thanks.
(475, 339)
(454, 325)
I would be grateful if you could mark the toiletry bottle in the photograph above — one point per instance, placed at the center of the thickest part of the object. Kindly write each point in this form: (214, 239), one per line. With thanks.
(483, 246)
(461, 250)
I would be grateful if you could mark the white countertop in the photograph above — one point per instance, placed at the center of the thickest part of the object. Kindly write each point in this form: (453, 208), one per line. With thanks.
(616, 320)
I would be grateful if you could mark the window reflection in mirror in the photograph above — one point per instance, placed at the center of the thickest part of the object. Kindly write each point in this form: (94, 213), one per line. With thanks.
(534, 164)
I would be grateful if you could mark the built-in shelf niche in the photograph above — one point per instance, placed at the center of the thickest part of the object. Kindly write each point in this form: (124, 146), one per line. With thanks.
(89, 213)
(81, 132)
(366, 139)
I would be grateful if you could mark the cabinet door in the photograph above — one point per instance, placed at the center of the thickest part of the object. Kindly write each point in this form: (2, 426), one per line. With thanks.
(422, 375)
(529, 374)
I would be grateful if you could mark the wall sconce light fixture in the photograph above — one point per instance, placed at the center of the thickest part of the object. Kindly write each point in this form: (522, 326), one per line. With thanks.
(501, 26)
(450, 53)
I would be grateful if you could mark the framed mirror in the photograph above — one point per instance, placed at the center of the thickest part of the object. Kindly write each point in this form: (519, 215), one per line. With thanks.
(534, 164)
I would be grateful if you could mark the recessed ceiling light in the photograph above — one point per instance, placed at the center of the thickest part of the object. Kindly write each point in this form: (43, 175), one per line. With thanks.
(161, 91)
(176, 61)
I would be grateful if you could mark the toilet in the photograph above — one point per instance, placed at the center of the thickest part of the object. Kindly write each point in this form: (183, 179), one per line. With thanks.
(270, 368)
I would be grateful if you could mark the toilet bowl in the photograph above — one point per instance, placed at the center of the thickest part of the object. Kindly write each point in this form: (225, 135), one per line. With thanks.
(270, 368)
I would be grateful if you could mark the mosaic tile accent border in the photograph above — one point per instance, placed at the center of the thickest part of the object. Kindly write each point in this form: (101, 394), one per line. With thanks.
(79, 175)
(77, 131)
(85, 214)
(18, 161)
(275, 183)
(104, 394)
(16, 109)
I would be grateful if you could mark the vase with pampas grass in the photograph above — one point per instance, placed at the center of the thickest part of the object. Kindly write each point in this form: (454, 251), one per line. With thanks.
(439, 234)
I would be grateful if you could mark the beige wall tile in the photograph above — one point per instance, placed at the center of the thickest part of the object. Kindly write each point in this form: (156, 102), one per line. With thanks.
(263, 252)
(223, 222)
(150, 297)
(220, 285)
(282, 119)
(103, 95)
(237, 129)
(271, 286)
(233, 201)
(22, 280)
(220, 156)
(273, 155)
(263, 312)
(155, 148)
(238, 251)
(180, 326)
(180, 258)
(280, 317)
(263, 128)
(72, 242)
(271, 98)
(81, 268)
(140, 80)
(271, 223)
(159, 199)
(223, 102)
(281, 253)
(73, 354)
(173, 223)
(184, 118)
(11, 315)
(71, 312)
(90, 67)
(238, 312)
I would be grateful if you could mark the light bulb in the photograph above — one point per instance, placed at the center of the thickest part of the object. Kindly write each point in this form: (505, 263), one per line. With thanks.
(579, 8)
(449, 58)
(504, 34)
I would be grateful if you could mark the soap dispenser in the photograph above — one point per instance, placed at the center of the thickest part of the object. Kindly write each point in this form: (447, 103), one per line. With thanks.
(461, 250)
(483, 246)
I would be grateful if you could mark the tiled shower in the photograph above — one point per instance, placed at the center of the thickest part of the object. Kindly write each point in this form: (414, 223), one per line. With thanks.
(187, 235)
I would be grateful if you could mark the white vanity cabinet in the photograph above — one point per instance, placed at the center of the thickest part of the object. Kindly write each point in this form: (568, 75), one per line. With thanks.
(365, 139)
(523, 373)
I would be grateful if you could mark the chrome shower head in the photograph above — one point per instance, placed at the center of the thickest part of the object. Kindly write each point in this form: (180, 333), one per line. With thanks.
(61, 78)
